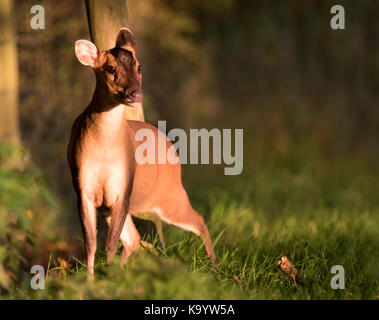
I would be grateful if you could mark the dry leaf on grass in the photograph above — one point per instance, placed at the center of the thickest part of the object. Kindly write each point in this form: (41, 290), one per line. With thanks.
(287, 267)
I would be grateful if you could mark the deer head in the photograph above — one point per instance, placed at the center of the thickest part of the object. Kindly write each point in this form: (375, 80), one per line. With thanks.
(118, 72)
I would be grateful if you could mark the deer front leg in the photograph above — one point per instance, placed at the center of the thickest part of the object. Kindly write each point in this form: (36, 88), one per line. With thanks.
(87, 214)
(119, 212)
(129, 237)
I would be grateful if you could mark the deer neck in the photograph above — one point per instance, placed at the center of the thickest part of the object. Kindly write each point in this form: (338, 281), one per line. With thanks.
(107, 117)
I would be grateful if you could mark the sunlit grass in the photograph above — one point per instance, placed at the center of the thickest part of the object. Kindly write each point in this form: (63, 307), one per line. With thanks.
(319, 215)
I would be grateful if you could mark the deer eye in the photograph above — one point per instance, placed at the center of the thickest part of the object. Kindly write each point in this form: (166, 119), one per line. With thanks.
(110, 69)
(140, 68)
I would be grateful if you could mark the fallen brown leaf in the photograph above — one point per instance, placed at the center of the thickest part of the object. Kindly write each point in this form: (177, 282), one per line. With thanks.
(287, 267)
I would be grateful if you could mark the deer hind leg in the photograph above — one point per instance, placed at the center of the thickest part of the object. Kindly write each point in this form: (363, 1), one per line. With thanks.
(190, 220)
(129, 237)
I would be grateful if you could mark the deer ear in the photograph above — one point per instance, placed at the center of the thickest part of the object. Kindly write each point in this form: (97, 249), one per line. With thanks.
(125, 38)
(86, 52)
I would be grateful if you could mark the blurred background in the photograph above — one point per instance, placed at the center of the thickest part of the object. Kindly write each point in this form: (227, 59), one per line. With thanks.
(305, 95)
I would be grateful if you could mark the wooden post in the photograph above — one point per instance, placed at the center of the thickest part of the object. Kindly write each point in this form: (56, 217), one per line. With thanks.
(105, 18)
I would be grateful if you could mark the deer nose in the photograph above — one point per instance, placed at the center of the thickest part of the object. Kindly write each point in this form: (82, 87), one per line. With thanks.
(136, 95)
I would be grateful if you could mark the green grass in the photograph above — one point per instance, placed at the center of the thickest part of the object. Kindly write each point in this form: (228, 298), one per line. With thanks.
(319, 212)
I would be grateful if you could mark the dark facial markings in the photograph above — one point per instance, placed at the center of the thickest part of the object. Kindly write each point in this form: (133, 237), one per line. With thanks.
(110, 69)
(125, 61)
(123, 74)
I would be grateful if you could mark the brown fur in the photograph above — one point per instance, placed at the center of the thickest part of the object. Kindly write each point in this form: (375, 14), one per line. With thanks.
(101, 155)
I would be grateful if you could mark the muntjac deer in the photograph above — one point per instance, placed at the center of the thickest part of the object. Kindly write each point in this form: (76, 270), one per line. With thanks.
(101, 156)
